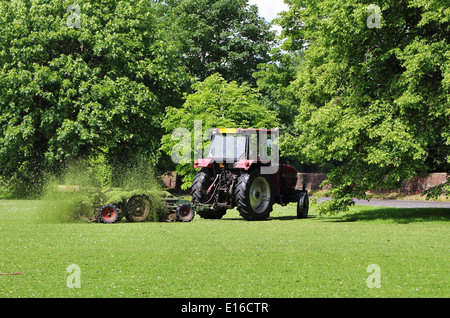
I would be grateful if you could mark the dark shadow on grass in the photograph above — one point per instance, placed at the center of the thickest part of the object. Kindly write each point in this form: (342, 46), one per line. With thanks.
(9, 196)
(270, 218)
(398, 215)
(284, 217)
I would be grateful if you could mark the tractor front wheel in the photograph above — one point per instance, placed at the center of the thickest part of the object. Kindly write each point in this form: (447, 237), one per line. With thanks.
(200, 186)
(202, 182)
(254, 196)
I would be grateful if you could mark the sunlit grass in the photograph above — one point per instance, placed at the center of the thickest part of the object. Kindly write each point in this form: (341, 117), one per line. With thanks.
(280, 257)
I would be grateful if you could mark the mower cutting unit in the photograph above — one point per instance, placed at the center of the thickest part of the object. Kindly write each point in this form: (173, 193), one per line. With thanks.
(113, 204)
(138, 207)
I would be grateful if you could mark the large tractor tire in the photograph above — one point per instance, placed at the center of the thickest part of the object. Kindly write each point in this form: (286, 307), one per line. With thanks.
(200, 186)
(303, 206)
(202, 182)
(254, 196)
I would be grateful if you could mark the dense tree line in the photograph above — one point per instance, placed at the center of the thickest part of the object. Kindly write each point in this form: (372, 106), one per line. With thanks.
(92, 80)
(372, 90)
(359, 88)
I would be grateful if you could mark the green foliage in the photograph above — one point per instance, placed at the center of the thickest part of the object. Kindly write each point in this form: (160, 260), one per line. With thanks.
(96, 90)
(374, 99)
(273, 80)
(371, 102)
(225, 36)
(99, 90)
(215, 103)
(100, 169)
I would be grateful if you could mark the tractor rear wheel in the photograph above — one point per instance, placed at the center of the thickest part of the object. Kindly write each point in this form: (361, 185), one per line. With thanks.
(303, 206)
(254, 196)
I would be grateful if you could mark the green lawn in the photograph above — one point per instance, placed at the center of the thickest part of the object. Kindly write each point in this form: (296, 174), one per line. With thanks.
(280, 257)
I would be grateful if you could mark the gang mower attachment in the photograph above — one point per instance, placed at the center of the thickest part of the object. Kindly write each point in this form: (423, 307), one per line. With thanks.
(112, 205)
(138, 208)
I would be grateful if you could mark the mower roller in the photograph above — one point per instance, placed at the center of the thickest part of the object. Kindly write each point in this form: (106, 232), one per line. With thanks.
(112, 205)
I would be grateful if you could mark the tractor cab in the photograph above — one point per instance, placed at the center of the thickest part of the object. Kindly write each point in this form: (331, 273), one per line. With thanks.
(241, 148)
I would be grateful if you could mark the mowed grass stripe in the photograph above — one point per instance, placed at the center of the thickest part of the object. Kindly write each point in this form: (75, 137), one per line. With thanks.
(280, 257)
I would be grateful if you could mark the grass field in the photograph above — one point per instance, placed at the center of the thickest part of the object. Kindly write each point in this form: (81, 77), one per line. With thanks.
(280, 257)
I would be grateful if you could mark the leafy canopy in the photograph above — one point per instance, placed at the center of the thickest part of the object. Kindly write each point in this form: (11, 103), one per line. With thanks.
(68, 92)
(374, 99)
(96, 85)
(220, 36)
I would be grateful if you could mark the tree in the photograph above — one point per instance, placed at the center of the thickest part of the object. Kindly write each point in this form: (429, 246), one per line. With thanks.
(374, 91)
(273, 79)
(93, 79)
(220, 36)
(215, 103)
(82, 80)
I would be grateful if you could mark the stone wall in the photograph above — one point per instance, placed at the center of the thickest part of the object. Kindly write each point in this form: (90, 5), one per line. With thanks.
(171, 180)
(313, 181)
(419, 185)
(415, 186)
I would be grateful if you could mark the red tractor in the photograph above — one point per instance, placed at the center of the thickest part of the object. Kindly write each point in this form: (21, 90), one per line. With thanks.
(242, 171)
